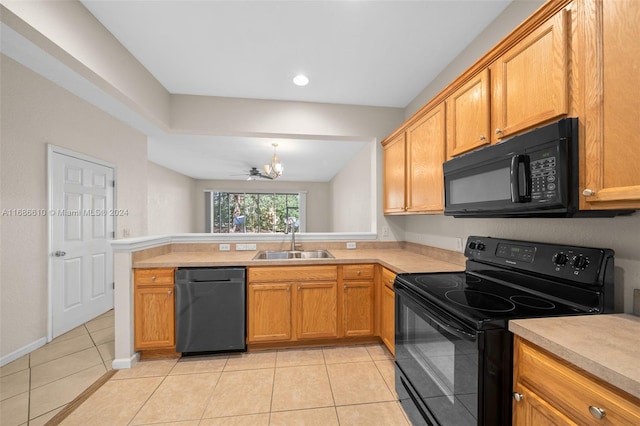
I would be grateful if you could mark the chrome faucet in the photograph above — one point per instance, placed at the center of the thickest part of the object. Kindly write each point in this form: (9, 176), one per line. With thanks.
(291, 225)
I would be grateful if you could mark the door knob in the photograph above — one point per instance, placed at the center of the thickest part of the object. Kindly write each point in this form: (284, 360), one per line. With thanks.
(518, 396)
(60, 253)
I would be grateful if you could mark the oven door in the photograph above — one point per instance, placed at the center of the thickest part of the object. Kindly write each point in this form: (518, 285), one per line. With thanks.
(438, 364)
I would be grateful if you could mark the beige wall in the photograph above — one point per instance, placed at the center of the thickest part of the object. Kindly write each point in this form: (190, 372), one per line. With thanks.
(318, 198)
(70, 33)
(35, 112)
(351, 192)
(170, 201)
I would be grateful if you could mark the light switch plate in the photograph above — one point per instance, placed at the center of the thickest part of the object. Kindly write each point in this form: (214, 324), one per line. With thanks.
(245, 247)
(636, 301)
(351, 246)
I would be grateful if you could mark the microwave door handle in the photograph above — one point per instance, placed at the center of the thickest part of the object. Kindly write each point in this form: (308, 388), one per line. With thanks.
(516, 195)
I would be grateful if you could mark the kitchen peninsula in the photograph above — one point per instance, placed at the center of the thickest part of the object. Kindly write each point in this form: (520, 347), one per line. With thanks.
(167, 252)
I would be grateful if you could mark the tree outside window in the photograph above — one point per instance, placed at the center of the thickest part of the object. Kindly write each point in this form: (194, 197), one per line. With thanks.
(247, 212)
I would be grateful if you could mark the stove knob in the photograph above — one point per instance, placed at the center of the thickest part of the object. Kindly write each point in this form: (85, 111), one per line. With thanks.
(580, 262)
(560, 259)
(472, 245)
(480, 246)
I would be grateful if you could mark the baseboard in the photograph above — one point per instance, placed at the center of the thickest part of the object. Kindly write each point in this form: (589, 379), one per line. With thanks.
(123, 363)
(22, 351)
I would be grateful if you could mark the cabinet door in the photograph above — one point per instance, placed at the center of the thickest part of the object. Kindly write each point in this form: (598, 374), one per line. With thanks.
(425, 155)
(530, 81)
(387, 320)
(468, 116)
(357, 308)
(317, 310)
(154, 317)
(611, 147)
(269, 312)
(535, 411)
(394, 175)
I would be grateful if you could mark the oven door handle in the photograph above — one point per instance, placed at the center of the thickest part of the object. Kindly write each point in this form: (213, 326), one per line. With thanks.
(441, 322)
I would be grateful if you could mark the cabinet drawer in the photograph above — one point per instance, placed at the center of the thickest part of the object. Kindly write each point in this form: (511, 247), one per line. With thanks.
(293, 273)
(388, 277)
(573, 391)
(357, 272)
(154, 276)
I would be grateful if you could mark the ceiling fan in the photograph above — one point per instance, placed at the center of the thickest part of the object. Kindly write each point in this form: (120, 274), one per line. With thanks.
(254, 174)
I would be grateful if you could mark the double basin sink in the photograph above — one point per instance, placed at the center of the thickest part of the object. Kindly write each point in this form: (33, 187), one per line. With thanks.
(293, 254)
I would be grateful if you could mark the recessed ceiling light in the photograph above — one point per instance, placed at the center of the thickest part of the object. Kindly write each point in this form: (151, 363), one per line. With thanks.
(300, 80)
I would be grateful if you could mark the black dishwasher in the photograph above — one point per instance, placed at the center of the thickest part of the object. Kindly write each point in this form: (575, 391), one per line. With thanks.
(210, 310)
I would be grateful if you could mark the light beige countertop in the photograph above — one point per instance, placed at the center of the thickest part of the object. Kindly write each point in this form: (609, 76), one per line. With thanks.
(397, 260)
(607, 346)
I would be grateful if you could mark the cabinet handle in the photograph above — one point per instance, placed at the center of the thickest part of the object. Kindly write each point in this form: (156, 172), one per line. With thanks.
(483, 138)
(498, 131)
(153, 277)
(289, 288)
(358, 273)
(345, 287)
(298, 287)
(390, 281)
(588, 192)
(596, 412)
(169, 292)
(518, 396)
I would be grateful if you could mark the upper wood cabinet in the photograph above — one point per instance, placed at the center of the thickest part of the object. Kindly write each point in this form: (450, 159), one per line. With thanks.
(468, 122)
(530, 82)
(413, 181)
(425, 155)
(610, 127)
(394, 179)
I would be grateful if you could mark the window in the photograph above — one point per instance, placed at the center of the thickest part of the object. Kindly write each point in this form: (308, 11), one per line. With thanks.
(253, 212)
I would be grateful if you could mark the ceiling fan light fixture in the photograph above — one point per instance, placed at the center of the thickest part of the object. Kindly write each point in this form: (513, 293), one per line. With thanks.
(275, 169)
(300, 80)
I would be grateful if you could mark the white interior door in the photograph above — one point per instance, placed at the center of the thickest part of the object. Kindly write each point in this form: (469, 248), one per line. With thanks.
(82, 224)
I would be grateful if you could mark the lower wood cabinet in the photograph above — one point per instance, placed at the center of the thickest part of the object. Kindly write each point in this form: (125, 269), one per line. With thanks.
(292, 303)
(551, 391)
(358, 300)
(269, 312)
(154, 309)
(308, 303)
(387, 309)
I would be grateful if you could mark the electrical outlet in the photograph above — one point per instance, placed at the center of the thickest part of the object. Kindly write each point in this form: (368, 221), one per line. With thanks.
(351, 246)
(224, 247)
(385, 231)
(459, 245)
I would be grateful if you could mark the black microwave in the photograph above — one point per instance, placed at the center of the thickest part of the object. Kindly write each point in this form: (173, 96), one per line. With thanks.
(534, 174)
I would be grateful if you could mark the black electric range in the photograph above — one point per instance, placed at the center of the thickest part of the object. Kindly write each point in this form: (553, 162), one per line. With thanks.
(453, 347)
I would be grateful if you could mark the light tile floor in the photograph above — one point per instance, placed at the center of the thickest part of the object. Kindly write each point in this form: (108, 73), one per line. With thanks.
(352, 385)
(35, 387)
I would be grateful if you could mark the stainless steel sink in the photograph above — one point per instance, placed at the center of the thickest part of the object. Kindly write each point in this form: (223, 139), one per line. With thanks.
(288, 254)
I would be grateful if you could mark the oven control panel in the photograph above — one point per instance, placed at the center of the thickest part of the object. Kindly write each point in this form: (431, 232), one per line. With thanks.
(578, 264)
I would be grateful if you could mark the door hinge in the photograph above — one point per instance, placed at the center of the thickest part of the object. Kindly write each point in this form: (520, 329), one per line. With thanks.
(113, 183)
(113, 285)
(113, 235)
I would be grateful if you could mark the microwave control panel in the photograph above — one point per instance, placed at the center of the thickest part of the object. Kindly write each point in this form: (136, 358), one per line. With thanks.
(544, 177)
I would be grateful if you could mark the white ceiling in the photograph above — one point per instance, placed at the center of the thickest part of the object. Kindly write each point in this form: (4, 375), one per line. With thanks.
(360, 52)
